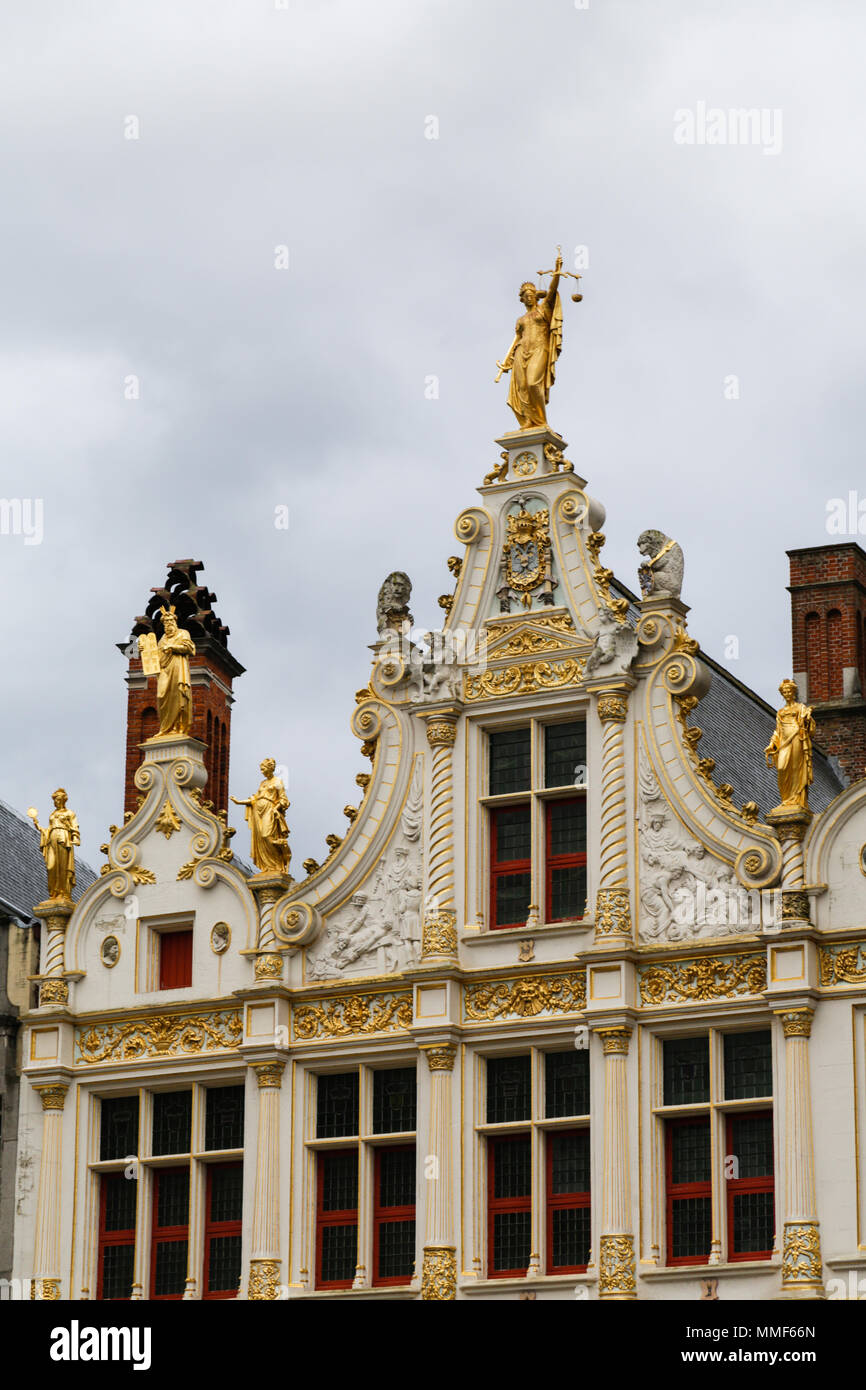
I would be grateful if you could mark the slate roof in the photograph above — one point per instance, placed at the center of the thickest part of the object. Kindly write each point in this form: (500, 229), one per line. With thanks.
(22, 868)
(737, 727)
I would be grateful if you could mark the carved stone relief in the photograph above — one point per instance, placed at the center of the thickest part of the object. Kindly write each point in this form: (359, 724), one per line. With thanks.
(685, 892)
(378, 931)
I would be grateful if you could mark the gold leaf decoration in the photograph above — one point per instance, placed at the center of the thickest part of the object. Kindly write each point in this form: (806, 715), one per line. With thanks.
(168, 821)
(702, 979)
(526, 997)
(160, 1035)
(529, 676)
(842, 964)
(353, 1013)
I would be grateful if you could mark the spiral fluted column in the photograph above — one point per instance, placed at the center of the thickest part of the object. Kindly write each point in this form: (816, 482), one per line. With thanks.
(440, 919)
(46, 1249)
(801, 1248)
(439, 1270)
(55, 914)
(616, 1262)
(613, 911)
(265, 1256)
(790, 828)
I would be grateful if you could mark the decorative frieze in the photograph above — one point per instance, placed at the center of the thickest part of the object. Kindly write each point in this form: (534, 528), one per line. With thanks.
(353, 1014)
(700, 979)
(523, 679)
(526, 997)
(842, 964)
(159, 1035)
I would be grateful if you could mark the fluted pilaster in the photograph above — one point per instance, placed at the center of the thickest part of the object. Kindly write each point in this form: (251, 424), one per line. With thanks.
(265, 1258)
(616, 1261)
(439, 1272)
(46, 1249)
(801, 1249)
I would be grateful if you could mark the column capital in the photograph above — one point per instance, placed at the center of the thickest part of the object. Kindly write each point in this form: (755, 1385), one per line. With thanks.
(789, 823)
(269, 1074)
(796, 1023)
(53, 1097)
(615, 1041)
(440, 1056)
(441, 730)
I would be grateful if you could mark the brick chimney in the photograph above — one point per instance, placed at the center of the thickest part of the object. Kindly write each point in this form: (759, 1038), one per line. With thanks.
(828, 620)
(212, 670)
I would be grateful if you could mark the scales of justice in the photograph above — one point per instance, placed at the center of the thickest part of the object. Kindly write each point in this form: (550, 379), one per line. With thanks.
(531, 359)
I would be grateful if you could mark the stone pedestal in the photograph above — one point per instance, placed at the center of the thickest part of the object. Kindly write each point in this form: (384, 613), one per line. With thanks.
(268, 888)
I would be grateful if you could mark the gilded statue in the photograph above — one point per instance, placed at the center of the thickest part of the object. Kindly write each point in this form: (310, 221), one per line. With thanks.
(57, 841)
(173, 687)
(790, 749)
(265, 815)
(531, 359)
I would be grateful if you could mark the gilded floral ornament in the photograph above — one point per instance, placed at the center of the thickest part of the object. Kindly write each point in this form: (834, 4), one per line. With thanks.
(264, 1282)
(439, 934)
(613, 912)
(602, 576)
(439, 1274)
(268, 967)
(440, 1057)
(616, 1267)
(801, 1254)
(797, 1023)
(45, 1290)
(168, 821)
(353, 1014)
(53, 992)
(526, 997)
(160, 1035)
(702, 979)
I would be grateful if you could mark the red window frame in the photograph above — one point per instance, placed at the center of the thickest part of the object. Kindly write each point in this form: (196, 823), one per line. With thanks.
(214, 1229)
(497, 1205)
(500, 868)
(576, 860)
(383, 1216)
(678, 1191)
(165, 1235)
(556, 1201)
(107, 1238)
(737, 1186)
(346, 1217)
(175, 959)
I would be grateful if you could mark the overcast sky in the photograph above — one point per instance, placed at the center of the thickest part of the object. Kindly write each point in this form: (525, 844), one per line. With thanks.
(305, 125)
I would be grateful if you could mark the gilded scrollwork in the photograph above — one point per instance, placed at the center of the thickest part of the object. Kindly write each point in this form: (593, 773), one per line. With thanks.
(842, 964)
(160, 1035)
(439, 934)
(523, 679)
(352, 1014)
(703, 978)
(526, 997)
(613, 912)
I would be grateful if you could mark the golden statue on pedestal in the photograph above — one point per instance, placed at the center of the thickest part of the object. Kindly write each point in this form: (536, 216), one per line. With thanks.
(57, 841)
(531, 359)
(173, 687)
(265, 814)
(790, 749)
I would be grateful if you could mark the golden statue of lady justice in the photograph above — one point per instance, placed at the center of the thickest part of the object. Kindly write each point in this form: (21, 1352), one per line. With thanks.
(269, 834)
(790, 749)
(57, 841)
(531, 359)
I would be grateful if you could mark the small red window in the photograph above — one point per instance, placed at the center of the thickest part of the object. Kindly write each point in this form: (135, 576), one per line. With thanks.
(175, 959)
(510, 865)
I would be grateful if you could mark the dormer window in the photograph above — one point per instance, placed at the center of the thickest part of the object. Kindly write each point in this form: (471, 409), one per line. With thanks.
(175, 959)
(536, 808)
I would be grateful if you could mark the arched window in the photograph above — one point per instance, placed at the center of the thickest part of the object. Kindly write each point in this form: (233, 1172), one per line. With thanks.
(815, 658)
(835, 654)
